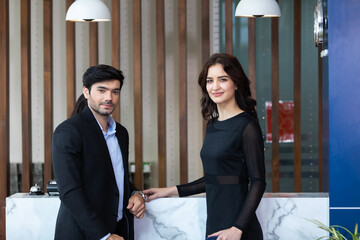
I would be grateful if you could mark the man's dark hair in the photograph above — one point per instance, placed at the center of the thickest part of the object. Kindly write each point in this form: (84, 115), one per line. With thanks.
(101, 73)
(80, 104)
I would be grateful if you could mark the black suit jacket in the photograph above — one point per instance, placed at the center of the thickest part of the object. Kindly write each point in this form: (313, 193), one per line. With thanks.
(86, 181)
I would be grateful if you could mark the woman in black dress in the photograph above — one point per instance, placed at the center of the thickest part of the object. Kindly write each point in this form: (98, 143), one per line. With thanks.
(232, 153)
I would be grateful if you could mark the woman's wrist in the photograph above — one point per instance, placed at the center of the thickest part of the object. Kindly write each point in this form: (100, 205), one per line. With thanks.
(173, 191)
(237, 230)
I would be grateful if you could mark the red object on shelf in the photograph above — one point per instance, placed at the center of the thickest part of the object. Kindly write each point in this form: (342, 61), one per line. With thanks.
(286, 121)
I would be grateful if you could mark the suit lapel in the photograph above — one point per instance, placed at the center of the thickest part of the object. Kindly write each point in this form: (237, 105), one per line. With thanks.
(122, 144)
(102, 146)
(124, 152)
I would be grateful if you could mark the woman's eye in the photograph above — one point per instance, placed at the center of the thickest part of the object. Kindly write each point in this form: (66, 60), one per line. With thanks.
(209, 81)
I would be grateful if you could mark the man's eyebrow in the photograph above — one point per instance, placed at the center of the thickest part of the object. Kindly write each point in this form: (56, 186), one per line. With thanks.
(102, 87)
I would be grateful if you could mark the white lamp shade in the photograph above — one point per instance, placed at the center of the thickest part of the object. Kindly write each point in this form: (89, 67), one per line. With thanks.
(257, 8)
(88, 11)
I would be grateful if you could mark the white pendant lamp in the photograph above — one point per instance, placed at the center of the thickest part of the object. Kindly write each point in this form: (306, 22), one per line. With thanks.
(88, 11)
(257, 8)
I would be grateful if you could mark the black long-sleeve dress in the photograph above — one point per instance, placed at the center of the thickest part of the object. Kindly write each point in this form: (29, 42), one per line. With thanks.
(234, 175)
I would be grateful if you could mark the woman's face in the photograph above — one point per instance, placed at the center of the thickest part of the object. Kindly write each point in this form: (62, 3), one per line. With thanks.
(219, 86)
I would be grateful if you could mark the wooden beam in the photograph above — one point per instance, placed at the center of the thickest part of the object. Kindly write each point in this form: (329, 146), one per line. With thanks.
(297, 96)
(252, 56)
(320, 120)
(70, 64)
(205, 30)
(228, 27)
(4, 112)
(94, 43)
(138, 94)
(161, 89)
(205, 40)
(275, 103)
(48, 88)
(183, 92)
(26, 177)
(115, 43)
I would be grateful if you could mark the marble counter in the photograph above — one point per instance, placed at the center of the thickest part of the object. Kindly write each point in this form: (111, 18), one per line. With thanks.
(281, 215)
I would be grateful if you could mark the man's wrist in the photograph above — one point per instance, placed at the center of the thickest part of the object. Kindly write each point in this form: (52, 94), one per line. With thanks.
(141, 194)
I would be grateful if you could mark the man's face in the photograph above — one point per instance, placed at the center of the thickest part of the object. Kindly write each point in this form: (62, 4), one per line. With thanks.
(103, 97)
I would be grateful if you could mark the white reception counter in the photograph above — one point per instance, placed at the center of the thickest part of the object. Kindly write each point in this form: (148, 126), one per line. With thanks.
(281, 215)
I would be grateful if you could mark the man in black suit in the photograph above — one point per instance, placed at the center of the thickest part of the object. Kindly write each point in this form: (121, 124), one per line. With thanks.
(90, 159)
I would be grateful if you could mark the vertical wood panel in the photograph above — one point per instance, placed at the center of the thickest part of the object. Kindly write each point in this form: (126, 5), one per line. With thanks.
(205, 38)
(115, 51)
(70, 64)
(275, 103)
(320, 120)
(252, 55)
(48, 87)
(161, 89)
(183, 93)
(94, 43)
(4, 111)
(297, 95)
(228, 27)
(205, 30)
(26, 95)
(138, 93)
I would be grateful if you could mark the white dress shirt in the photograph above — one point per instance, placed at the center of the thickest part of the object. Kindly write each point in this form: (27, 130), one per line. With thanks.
(117, 163)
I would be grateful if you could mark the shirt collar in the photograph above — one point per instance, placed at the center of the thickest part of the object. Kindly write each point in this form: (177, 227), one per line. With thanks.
(112, 126)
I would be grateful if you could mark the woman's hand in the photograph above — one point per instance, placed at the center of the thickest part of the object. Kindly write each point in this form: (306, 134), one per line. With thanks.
(114, 237)
(154, 193)
(232, 233)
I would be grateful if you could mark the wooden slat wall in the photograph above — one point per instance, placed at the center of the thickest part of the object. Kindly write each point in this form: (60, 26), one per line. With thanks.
(115, 44)
(252, 56)
(48, 88)
(275, 103)
(161, 89)
(94, 43)
(70, 64)
(321, 169)
(26, 177)
(137, 93)
(297, 95)
(228, 27)
(161, 81)
(183, 93)
(4, 112)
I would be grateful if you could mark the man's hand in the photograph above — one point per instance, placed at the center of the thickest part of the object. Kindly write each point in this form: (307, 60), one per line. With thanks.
(137, 205)
(114, 237)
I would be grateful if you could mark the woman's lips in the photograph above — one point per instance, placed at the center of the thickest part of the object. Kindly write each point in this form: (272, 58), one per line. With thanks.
(217, 94)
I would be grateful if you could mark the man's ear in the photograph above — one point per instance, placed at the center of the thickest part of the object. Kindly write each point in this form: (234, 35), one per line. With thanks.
(86, 92)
